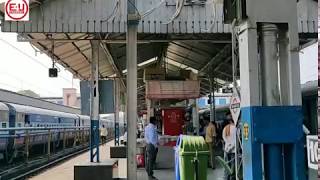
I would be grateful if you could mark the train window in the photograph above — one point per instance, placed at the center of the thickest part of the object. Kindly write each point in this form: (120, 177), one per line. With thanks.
(19, 125)
(4, 125)
(3, 116)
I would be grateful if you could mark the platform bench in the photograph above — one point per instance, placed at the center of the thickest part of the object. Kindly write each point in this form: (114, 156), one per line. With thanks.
(95, 171)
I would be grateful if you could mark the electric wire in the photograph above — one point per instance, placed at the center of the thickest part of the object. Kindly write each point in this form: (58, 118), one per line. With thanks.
(31, 58)
(214, 18)
(135, 7)
(150, 11)
(114, 12)
(28, 83)
(179, 6)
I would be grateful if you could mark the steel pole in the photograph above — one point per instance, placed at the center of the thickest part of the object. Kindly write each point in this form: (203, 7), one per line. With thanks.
(234, 79)
(118, 105)
(116, 112)
(131, 90)
(211, 100)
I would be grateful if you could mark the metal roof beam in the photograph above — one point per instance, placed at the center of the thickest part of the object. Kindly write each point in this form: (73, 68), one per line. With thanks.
(65, 65)
(182, 63)
(222, 54)
(79, 51)
(123, 41)
(191, 48)
(112, 63)
(184, 58)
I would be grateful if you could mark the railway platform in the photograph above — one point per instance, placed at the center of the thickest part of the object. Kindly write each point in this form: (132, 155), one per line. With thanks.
(164, 166)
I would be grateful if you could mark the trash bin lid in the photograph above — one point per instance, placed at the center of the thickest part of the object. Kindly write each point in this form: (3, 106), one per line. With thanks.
(190, 145)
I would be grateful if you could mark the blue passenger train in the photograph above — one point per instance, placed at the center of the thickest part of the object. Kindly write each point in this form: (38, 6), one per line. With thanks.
(20, 116)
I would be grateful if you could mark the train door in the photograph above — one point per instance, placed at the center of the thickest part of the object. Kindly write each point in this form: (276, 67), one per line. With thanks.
(27, 123)
(12, 121)
(27, 120)
(59, 130)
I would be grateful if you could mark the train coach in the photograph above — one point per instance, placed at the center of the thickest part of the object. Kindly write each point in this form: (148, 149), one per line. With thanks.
(63, 126)
(108, 121)
(20, 116)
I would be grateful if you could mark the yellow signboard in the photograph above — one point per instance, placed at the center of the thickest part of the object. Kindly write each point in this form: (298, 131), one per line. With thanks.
(246, 131)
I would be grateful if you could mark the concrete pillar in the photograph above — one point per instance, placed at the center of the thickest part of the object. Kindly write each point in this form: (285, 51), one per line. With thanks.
(250, 96)
(195, 116)
(94, 108)
(132, 26)
(271, 93)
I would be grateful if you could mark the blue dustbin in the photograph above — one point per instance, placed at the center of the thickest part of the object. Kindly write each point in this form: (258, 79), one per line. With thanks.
(176, 158)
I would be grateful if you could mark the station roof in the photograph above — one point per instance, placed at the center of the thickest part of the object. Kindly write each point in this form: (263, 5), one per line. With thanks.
(203, 53)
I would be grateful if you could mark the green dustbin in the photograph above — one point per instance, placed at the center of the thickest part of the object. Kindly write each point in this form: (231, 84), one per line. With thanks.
(194, 154)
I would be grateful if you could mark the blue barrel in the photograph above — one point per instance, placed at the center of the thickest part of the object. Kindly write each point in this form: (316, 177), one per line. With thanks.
(176, 158)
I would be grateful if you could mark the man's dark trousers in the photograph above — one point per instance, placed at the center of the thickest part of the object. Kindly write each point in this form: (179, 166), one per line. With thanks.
(151, 157)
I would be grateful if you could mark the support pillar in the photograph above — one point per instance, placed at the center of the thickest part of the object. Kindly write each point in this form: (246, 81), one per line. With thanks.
(116, 112)
(271, 94)
(212, 100)
(94, 108)
(148, 101)
(195, 116)
(132, 26)
(271, 112)
(250, 96)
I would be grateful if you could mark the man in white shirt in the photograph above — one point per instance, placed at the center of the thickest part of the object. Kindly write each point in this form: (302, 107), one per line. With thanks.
(229, 136)
(151, 137)
(103, 133)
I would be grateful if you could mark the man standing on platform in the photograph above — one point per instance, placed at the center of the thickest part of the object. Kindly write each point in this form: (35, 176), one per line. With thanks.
(151, 137)
(210, 140)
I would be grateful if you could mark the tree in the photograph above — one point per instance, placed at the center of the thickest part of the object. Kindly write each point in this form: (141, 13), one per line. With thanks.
(29, 93)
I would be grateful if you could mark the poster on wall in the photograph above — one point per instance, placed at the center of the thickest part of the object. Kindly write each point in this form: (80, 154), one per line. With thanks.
(312, 151)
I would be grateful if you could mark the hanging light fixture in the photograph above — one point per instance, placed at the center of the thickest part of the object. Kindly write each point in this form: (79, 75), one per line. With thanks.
(53, 72)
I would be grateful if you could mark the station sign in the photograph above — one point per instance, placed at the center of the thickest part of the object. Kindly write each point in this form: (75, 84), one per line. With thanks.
(17, 10)
(312, 151)
(235, 105)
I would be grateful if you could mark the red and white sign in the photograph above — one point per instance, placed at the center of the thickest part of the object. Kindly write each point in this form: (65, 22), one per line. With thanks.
(235, 105)
(17, 10)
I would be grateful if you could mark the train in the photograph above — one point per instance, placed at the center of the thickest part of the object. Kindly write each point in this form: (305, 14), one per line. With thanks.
(309, 92)
(21, 116)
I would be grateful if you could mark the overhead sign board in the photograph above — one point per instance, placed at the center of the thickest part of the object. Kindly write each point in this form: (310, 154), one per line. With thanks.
(106, 97)
(235, 105)
(312, 151)
(189, 89)
(17, 10)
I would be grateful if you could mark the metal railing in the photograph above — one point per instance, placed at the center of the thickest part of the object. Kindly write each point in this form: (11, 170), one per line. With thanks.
(78, 134)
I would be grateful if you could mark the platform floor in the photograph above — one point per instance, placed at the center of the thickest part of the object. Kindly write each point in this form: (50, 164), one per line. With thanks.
(165, 167)
(65, 170)
(168, 174)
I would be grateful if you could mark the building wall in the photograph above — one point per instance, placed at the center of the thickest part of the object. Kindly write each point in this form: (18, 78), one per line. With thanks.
(69, 97)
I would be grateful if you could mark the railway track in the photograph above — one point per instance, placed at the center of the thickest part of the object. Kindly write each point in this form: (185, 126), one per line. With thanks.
(27, 169)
